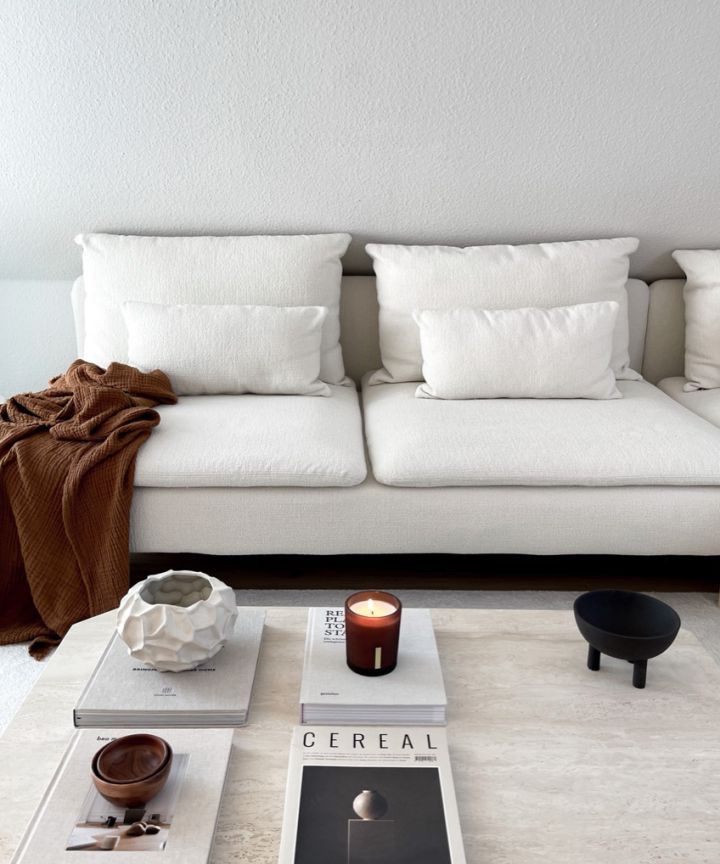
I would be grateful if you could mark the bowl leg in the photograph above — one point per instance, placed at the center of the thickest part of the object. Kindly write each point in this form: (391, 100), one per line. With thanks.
(639, 673)
(593, 661)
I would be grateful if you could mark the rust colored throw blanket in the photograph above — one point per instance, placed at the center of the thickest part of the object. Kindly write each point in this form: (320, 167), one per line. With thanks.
(67, 461)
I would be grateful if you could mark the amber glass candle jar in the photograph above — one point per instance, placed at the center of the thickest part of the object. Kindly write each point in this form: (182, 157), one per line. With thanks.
(372, 631)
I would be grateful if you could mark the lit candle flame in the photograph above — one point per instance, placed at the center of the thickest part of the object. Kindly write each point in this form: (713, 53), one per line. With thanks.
(370, 606)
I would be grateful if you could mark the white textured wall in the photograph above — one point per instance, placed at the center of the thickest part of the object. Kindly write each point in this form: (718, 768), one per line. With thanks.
(464, 121)
(37, 338)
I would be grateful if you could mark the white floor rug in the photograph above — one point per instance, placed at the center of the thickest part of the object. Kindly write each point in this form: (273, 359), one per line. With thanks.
(699, 613)
(18, 672)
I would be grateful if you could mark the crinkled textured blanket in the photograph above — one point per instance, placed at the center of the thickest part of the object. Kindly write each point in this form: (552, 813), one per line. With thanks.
(67, 460)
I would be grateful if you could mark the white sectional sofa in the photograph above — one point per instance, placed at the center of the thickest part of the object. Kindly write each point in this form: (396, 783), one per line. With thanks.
(287, 474)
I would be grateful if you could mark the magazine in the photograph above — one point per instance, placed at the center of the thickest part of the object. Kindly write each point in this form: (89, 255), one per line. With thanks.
(369, 795)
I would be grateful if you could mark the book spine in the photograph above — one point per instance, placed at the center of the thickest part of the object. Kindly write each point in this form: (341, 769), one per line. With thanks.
(77, 721)
(452, 816)
(305, 696)
(222, 795)
(292, 803)
(258, 649)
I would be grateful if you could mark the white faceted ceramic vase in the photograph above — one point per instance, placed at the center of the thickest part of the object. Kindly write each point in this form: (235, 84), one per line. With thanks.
(177, 620)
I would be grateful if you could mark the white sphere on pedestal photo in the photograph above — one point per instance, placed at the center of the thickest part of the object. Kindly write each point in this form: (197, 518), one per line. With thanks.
(370, 805)
(177, 620)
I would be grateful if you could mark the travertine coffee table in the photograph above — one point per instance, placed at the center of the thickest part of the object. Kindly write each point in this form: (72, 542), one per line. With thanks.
(552, 763)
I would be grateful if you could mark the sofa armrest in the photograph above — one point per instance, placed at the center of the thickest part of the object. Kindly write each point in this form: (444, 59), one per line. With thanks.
(77, 297)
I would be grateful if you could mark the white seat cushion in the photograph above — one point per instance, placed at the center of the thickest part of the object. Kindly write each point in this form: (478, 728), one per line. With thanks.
(643, 439)
(704, 403)
(254, 440)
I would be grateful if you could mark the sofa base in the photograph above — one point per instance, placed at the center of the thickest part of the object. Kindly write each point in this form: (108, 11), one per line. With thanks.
(372, 518)
(448, 573)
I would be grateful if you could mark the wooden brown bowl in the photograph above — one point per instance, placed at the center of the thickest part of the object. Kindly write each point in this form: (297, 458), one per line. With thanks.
(131, 758)
(133, 794)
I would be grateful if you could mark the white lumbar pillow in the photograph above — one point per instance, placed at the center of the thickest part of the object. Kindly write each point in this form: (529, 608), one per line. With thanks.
(702, 317)
(229, 349)
(493, 277)
(302, 270)
(559, 353)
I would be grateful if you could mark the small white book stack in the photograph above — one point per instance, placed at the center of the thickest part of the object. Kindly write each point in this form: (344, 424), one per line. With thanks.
(73, 816)
(124, 692)
(413, 693)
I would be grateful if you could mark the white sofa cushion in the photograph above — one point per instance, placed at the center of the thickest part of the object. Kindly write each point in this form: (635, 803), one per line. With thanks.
(359, 316)
(256, 441)
(229, 349)
(643, 439)
(302, 270)
(704, 403)
(702, 316)
(410, 278)
(558, 353)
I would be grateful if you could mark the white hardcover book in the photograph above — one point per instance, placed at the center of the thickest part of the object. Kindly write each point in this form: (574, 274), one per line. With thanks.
(124, 692)
(369, 795)
(73, 817)
(413, 693)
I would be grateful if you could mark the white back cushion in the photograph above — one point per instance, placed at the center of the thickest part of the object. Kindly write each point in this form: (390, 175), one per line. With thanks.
(302, 270)
(493, 277)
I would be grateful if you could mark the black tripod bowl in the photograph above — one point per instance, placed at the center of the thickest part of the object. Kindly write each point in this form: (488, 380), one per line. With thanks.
(626, 625)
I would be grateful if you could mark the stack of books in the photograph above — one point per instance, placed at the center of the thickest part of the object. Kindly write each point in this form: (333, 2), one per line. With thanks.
(413, 693)
(373, 783)
(124, 692)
